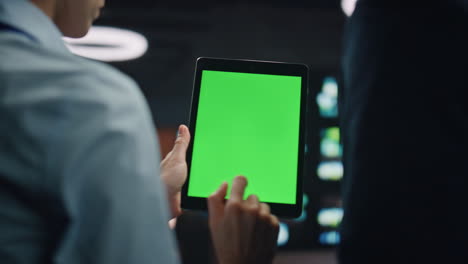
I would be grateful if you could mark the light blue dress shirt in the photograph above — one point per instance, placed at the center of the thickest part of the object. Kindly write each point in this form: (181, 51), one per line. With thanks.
(79, 160)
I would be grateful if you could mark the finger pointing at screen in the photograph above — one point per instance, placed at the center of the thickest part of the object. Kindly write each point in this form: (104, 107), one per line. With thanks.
(243, 231)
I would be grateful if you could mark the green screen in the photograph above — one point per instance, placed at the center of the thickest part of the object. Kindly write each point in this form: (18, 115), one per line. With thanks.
(247, 124)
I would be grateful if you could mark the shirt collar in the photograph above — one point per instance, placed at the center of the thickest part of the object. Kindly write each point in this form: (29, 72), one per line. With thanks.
(26, 17)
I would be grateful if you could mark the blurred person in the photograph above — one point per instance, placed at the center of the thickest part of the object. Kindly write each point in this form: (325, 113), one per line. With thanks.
(80, 179)
(404, 118)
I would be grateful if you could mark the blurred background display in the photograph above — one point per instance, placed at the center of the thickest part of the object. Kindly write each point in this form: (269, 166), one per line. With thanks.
(327, 99)
(157, 44)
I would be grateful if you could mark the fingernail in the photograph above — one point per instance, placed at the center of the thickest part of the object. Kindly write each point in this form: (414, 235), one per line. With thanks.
(223, 184)
(242, 177)
(179, 131)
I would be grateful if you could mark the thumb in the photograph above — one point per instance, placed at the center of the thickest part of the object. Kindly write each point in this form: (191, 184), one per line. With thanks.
(216, 203)
(182, 142)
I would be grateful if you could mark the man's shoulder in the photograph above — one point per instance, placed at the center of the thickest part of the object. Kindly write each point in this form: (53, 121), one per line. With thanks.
(37, 69)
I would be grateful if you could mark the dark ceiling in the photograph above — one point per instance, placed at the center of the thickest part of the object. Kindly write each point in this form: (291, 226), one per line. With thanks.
(179, 32)
(207, 3)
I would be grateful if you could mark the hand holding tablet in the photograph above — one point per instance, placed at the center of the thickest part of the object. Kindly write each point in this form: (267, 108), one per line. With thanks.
(248, 118)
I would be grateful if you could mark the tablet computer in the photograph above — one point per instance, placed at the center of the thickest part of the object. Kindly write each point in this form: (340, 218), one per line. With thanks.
(248, 118)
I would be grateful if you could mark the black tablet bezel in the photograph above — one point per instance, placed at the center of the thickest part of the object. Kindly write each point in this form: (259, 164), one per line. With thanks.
(261, 67)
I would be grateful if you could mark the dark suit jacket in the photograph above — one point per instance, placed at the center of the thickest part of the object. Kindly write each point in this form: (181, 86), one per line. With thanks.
(404, 115)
